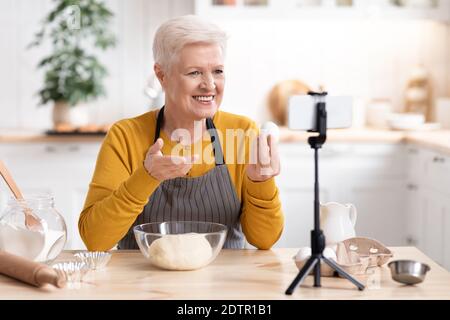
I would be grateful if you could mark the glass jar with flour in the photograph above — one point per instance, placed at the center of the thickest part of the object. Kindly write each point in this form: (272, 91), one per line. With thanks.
(42, 245)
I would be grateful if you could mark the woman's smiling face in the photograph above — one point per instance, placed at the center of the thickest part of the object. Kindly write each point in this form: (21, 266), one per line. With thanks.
(195, 82)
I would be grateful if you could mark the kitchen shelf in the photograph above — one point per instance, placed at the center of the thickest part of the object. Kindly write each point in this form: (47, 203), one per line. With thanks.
(292, 9)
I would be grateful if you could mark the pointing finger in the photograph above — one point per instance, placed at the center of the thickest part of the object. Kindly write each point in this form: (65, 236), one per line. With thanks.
(156, 147)
(263, 150)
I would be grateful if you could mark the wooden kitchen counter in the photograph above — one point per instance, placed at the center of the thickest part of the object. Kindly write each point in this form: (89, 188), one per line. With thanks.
(34, 136)
(438, 140)
(235, 274)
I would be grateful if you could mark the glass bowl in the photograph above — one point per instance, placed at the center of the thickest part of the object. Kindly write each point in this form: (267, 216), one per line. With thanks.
(181, 245)
(74, 271)
(94, 259)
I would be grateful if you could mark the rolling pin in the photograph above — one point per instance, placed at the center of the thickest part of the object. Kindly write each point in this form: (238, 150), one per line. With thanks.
(34, 273)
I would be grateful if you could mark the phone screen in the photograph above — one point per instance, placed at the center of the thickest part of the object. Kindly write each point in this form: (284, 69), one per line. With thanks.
(302, 112)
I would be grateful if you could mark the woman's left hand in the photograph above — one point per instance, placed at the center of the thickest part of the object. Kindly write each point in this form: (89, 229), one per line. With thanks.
(266, 161)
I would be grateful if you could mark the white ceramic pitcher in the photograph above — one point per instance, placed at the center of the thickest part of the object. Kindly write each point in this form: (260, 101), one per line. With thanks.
(337, 221)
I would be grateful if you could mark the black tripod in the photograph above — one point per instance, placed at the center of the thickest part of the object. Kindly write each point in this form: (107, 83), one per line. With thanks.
(317, 236)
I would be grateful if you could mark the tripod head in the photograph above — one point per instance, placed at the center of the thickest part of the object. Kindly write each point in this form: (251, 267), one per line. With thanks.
(321, 120)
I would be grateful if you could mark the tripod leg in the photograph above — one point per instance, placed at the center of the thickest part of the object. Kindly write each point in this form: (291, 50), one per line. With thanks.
(343, 273)
(317, 275)
(303, 273)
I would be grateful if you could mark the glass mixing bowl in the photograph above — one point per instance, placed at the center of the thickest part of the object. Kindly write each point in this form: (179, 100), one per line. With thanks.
(43, 244)
(181, 245)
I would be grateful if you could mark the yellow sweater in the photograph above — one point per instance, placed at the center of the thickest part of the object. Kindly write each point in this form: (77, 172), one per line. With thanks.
(121, 187)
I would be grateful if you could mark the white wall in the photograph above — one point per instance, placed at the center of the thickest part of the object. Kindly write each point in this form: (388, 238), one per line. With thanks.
(369, 58)
(129, 64)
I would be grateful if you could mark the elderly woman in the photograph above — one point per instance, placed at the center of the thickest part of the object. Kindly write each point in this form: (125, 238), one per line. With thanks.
(139, 178)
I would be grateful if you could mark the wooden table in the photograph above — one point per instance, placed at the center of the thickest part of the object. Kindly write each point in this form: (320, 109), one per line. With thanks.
(235, 274)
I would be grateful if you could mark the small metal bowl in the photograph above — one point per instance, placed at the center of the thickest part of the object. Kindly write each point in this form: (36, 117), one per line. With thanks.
(408, 272)
(74, 271)
(94, 259)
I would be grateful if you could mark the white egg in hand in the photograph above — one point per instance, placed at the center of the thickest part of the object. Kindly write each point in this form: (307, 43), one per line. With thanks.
(272, 129)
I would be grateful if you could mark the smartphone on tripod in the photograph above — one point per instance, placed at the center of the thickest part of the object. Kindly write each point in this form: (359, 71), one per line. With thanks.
(302, 112)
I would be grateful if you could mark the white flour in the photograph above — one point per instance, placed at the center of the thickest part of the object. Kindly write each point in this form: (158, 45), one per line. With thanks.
(29, 244)
(54, 242)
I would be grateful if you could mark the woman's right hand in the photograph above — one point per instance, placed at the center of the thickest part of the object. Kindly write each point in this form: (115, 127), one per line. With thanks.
(163, 167)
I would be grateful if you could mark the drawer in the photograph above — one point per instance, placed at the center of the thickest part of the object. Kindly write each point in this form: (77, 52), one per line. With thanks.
(340, 160)
(19, 151)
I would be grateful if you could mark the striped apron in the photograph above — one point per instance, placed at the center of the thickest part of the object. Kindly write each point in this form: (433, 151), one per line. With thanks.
(208, 198)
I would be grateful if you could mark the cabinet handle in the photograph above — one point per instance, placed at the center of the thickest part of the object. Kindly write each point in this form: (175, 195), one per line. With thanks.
(53, 149)
(50, 149)
(437, 159)
(411, 241)
(74, 148)
(411, 186)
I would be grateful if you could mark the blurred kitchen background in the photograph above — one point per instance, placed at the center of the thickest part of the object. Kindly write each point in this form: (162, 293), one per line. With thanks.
(392, 56)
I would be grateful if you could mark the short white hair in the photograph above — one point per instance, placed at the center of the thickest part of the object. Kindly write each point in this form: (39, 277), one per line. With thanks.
(178, 32)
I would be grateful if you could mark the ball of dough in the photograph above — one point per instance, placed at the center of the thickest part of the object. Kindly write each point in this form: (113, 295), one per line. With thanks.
(272, 129)
(187, 251)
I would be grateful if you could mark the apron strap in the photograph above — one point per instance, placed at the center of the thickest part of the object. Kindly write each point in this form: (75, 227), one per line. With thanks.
(217, 148)
(159, 123)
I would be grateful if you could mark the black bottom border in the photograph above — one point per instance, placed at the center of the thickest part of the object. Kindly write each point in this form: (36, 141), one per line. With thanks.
(223, 309)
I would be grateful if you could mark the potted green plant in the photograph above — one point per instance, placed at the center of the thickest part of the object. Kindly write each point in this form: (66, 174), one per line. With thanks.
(73, 74)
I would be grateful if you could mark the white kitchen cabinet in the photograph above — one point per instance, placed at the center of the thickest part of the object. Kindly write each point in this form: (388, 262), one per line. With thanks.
(437, 171)
(428, 199)
(63, 170)
(446, 241)
(373, 181)
(414, 215)
(372, 176)
(381, 210)
(296, 187)
(416, 161)
(298, 208)
(436, 205)
(415, 197)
